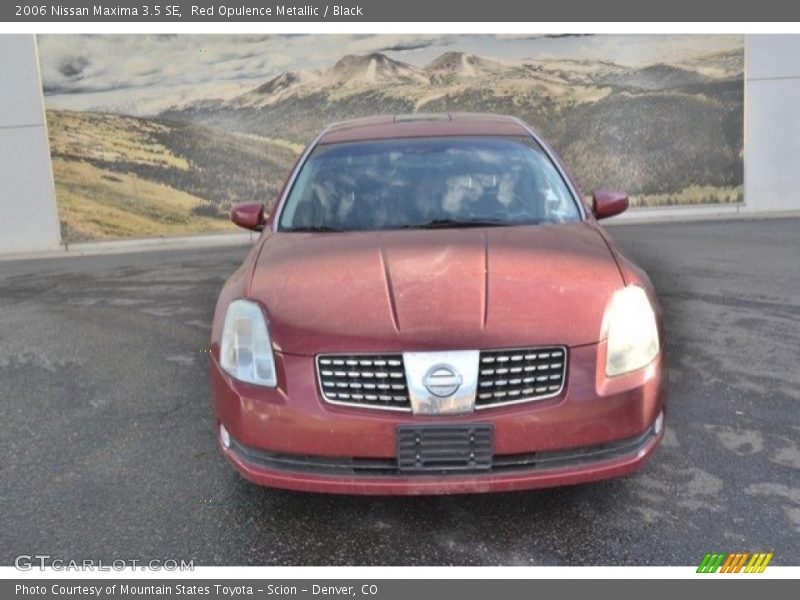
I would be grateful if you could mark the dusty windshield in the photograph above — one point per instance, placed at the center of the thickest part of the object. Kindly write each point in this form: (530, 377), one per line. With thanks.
(427, 182)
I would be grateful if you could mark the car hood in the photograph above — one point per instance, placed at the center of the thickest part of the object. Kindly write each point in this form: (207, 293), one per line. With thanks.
(435, 289)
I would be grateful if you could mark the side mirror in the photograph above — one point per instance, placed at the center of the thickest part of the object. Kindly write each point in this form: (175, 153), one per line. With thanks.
(607, 204)
(249, 215)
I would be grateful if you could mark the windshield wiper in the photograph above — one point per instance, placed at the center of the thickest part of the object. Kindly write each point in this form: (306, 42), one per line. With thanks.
(314, 229)
(460, 223)
(435, 224)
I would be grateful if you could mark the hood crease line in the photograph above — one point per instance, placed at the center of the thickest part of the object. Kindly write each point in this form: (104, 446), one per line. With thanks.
(387, 278)
(485, 279)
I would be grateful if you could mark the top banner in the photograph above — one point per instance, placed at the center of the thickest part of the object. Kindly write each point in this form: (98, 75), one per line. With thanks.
(465, 11)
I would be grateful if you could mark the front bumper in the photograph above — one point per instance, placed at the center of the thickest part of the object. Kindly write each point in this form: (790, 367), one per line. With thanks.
(597, 428)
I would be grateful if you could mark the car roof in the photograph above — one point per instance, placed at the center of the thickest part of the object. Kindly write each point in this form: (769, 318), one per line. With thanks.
(422, 125)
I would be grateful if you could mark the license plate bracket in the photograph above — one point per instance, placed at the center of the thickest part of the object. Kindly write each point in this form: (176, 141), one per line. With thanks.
(443, 448)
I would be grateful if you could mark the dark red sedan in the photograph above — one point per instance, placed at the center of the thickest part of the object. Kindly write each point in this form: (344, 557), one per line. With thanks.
(432, 308)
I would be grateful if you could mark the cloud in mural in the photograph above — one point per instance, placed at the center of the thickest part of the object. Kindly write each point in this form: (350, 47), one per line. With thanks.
(103, 63)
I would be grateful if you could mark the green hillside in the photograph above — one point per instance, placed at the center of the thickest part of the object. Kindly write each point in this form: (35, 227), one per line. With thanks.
(119, 176)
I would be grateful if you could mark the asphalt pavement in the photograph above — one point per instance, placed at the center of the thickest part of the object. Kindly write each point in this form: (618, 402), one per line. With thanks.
(106, 448)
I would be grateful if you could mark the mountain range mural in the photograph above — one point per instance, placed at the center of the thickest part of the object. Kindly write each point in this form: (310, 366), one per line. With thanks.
(164, 139)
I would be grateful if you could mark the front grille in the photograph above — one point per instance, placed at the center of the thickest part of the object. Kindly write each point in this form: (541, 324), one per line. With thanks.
(510, 376)
(370, 380)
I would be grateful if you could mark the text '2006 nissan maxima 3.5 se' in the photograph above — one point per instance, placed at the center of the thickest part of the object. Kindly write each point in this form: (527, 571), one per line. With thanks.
(432, 308)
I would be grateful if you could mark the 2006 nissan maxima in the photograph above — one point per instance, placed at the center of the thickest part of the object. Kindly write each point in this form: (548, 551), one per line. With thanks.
(432, 308)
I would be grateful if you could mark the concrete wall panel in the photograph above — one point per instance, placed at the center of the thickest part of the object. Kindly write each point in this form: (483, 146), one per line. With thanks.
(772, 123)
(28, 214)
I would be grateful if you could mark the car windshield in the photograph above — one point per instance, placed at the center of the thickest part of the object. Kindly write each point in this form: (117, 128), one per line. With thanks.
(422, 183)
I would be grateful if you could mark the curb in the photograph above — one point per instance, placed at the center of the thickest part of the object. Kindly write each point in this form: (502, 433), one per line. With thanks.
(138, 245)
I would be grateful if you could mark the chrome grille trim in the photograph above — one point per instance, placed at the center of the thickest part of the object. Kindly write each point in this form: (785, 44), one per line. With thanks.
(376, 381)
(521, 374)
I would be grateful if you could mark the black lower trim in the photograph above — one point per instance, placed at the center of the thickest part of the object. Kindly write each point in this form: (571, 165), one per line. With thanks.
(502, 463)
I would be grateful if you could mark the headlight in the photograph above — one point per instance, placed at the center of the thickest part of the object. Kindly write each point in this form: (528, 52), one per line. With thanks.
(245, 349)
(632, 331)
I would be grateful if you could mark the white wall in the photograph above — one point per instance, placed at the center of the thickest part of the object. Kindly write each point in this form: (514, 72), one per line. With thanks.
(28, 216)
(772, 123)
